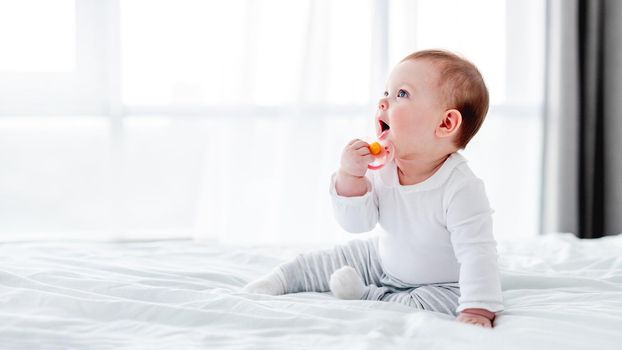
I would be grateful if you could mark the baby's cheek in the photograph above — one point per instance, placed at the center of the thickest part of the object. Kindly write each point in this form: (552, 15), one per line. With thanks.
(407, 131)
(401, 126)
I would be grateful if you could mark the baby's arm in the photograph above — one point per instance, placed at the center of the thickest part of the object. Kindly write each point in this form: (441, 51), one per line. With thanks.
(469, 220)
(350, 179)
(347, 185)
(354, 203)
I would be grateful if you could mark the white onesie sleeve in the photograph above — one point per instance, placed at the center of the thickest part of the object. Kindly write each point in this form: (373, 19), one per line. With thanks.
(355, 214)
(469, 221)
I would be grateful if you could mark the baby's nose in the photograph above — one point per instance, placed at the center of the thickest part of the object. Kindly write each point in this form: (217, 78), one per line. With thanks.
(383, 104)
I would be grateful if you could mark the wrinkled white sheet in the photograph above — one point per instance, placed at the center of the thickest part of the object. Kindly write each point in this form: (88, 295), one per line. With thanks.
(560, 293)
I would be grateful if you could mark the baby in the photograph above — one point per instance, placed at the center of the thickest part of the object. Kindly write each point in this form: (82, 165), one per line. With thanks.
(436, 249)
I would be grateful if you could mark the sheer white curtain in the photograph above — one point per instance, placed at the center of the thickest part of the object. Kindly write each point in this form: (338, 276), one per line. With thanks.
(271, 90)
(225, 120)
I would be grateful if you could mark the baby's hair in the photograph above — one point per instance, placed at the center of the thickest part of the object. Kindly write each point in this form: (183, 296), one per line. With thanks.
(463, 88)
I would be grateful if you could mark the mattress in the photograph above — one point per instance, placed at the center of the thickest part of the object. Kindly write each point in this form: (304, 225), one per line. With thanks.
(560, 293)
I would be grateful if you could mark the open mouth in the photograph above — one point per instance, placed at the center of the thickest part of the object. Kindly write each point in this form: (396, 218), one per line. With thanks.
(384, 129)
(384, 126)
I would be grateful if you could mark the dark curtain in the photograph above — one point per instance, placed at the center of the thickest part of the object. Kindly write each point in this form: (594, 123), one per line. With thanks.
(582, 187)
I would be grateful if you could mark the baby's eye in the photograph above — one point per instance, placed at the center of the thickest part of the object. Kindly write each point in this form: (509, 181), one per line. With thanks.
(402, 93)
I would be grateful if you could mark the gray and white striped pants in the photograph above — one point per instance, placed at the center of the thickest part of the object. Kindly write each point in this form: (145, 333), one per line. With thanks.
(311, 272)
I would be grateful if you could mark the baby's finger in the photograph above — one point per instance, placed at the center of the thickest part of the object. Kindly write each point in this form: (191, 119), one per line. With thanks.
(368, 158)
(363, 151)
(353, 141)
(359, 144)
(481, 323)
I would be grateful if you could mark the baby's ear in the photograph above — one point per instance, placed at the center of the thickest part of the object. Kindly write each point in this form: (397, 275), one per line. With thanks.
(450, 124)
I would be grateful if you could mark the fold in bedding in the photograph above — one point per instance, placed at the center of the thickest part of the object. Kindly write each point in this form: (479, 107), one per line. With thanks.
(559, 292)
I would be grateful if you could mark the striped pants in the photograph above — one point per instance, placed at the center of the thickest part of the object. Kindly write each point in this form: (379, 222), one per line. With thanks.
(311, 272)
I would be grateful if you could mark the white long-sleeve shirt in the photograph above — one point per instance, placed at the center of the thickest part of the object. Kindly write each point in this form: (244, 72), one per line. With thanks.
(439, 230)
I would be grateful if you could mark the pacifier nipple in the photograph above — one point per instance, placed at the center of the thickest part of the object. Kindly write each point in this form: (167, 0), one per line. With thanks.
(382, 151)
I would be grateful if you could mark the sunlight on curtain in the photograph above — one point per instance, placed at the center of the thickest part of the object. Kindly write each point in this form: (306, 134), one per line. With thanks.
(37, 41)
(263, 173)
(228, 118)
(245, 52)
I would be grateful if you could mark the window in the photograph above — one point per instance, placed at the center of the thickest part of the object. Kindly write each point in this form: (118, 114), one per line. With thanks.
(46, 40)
(266, 53)
(134, 115)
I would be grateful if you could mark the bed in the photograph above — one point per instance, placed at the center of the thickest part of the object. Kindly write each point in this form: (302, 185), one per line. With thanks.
(560, 293)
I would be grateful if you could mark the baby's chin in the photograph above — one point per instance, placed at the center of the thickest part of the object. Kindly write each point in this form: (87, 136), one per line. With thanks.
(404, 153)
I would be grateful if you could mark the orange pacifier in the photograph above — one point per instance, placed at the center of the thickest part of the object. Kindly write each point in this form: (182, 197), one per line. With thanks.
(382, 151)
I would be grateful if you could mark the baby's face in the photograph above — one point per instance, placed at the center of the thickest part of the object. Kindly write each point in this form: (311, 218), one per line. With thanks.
(411, 108)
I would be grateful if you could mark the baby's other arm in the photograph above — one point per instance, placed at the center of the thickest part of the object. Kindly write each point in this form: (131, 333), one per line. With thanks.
(469, 221)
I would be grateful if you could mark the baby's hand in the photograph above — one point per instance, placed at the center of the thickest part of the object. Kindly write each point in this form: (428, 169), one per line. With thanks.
(474, 319)
(355, 158)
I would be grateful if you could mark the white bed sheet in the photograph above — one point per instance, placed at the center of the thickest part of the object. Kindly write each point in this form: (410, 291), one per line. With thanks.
(560, 293)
